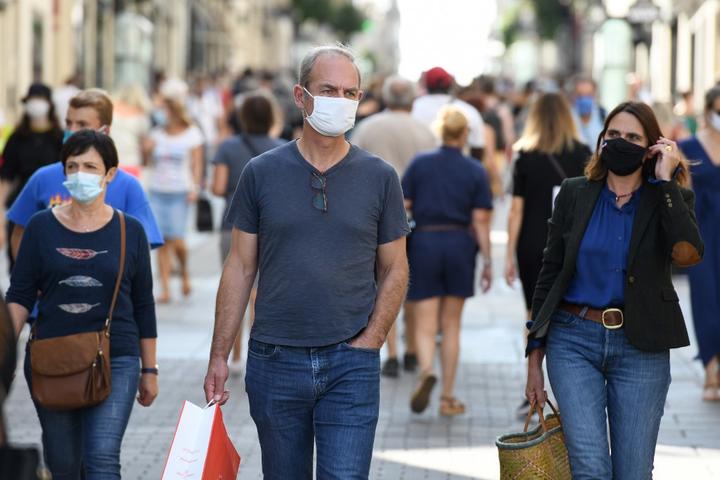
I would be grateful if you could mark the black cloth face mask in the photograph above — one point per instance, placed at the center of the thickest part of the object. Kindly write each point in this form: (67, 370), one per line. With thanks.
(622, 157)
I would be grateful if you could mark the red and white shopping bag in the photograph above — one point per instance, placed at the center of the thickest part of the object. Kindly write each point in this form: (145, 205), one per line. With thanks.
(201, 448)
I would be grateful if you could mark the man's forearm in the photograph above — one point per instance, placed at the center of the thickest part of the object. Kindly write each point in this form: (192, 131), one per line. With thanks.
(232, 299)
(391, 294)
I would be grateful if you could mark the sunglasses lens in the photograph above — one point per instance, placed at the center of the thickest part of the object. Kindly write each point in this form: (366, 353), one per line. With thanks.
(317, 182)
(319, 202)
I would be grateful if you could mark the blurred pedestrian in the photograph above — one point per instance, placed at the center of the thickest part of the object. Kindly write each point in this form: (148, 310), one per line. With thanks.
(205, 108)
(589, 113)
(324, 222)
(396, 136)
(175, 171)
(70, 254)
(451, 202)
(34, 143)
(62, 95)
(685, 109)
(91, 109)
(604, 307)
(256, 118)
(703, 150)
(548, 152)
(131, 126)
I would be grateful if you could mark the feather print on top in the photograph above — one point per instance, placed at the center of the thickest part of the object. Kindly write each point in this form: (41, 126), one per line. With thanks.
(80, 281)
(77, 307)
(79, 253)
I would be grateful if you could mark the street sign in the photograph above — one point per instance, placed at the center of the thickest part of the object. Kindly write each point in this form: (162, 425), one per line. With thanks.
(643, 11)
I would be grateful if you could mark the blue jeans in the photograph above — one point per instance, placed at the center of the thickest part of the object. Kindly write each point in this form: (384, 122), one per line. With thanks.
(600, 379)
(87, 441)
(329, 396)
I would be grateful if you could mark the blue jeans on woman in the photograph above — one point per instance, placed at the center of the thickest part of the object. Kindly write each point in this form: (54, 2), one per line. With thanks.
(326, 396)
(87, 440)
(598, 379)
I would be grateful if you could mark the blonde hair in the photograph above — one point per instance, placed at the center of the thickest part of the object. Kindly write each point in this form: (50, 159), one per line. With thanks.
(177, 109)
(550, 127)
(96, 99)
(450, 123)
(135, 96)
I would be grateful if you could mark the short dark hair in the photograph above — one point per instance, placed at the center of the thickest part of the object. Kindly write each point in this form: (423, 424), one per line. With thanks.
(256, 114)
(82, 141)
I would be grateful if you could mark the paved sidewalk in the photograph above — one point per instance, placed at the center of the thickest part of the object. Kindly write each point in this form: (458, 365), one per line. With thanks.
(408, 446)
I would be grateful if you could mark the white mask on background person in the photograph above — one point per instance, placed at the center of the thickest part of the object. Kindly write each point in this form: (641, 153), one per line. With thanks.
(715, 121)
(332, 116)
(37, 108)
(84, 187)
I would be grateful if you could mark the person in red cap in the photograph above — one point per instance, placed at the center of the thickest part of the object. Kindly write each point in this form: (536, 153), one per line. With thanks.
(438, 83)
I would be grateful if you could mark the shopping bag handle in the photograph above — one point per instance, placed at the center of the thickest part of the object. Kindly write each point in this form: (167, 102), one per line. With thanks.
(535, 407)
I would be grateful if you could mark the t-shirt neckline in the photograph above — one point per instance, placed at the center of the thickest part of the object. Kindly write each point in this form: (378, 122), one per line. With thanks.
(64, 227)
(337, 166)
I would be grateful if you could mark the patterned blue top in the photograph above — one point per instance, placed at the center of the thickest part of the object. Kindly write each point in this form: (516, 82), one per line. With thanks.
(75, 276)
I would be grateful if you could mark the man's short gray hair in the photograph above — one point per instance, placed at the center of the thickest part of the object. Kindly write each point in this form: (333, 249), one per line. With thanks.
(308, 62)
(398, 92)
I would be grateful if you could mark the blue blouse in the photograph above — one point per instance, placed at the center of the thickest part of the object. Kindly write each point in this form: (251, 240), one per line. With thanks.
(599, 279)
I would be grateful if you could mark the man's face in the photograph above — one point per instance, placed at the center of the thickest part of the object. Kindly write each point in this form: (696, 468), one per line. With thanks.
(83, 118)
(584, 89)
(331, 76)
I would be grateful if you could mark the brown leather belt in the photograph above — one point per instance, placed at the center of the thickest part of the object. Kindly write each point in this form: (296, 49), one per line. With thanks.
(610, 318)
(442, 228)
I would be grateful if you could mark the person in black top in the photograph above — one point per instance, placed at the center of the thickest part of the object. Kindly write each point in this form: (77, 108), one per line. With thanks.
(68, 263)
(36, 142)
(549, 151)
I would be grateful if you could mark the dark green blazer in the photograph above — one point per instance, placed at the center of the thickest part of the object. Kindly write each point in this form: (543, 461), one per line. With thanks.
(664, 232)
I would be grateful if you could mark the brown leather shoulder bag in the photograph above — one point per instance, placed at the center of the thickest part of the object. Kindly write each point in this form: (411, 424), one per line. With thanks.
(73, 371)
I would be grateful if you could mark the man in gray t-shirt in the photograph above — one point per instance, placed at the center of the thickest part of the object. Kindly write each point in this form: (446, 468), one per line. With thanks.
(324, 223)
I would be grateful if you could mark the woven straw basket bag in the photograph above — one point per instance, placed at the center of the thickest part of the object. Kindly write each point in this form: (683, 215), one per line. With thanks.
(539, 454)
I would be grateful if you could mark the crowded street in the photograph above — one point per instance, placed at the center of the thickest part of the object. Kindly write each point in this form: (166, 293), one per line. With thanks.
(360, 239)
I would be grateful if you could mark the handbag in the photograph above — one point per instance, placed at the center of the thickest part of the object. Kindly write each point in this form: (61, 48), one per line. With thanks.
(539, 453)
(73, 371)
(204, 217)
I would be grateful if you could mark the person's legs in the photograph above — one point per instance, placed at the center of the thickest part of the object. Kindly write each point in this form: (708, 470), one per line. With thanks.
(450, 314)
(427, 312)
(574, 352)
(104, 425)
(346, 411)
(182, 256)
(164, 266)
(391, 366)
(281, 394)
(410, 358)
(638, 383)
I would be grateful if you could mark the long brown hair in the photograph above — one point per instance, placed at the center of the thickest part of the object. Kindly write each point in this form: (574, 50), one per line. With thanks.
(595, 170)
(550, 127)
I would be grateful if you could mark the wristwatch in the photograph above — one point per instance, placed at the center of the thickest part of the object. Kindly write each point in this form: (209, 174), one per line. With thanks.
(153, 370)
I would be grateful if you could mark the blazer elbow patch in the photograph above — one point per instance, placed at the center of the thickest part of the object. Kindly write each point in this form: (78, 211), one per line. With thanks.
(685, 254)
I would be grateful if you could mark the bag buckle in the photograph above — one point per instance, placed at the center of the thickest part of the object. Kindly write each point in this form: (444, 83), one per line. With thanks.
(613, 310)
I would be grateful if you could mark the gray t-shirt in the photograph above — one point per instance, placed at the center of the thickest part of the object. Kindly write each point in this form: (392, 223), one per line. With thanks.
(317, 269)
(236, 152)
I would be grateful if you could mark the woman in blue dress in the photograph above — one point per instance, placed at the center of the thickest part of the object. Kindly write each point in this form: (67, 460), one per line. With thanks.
(450, 200)
(703, 152)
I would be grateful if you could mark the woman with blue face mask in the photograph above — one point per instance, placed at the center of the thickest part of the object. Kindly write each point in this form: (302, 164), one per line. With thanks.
(70, 254)
(703, 151)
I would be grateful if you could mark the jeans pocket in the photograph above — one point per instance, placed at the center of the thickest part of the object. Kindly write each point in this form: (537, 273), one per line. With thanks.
(562, 318)
(360, 349)
(260, 349)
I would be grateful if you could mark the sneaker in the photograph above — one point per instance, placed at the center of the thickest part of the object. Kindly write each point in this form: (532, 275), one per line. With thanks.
(522, 411)
(391, 368)
(421, 396)
(410, 362)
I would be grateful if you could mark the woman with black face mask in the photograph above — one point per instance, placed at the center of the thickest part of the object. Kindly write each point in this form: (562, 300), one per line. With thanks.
(703, 150)
(605, 312)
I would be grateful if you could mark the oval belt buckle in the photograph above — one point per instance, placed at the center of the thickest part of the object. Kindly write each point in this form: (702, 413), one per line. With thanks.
(613, 327)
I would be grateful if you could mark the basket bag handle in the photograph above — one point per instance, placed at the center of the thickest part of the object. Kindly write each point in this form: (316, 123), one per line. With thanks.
(535, 407)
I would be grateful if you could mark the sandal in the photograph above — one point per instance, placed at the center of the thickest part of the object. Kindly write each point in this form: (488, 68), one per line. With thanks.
(451, 406)
(711, 389)
(421, 396)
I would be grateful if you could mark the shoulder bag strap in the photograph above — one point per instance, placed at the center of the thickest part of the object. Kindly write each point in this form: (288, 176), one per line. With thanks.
(121, 272)
(253, 151)
(556, 165)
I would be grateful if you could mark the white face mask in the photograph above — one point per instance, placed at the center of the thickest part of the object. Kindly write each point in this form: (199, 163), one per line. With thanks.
(84, 187)
(715, 121)
(37, 108)
(332, 116)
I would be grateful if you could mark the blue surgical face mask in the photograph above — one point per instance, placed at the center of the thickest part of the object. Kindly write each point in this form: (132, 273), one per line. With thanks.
(84, 187)
(584, 105)
(159, 117)
(67, 135)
